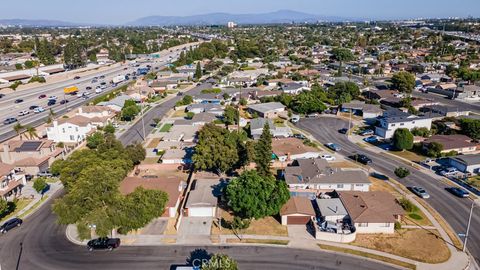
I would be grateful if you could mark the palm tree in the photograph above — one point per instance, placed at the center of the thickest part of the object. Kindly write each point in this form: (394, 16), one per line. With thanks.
(31, 132)
(18, 129)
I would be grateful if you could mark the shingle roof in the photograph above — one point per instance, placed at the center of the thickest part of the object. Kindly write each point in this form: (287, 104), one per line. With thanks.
(298, 205)
(371, 207)
(452, 141)
(170, 185)
(468, 159)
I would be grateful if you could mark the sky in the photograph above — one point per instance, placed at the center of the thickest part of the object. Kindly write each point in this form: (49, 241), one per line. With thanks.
(123, 11)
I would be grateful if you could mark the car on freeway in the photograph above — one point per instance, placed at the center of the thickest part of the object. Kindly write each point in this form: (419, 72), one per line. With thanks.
(10, 224)
(9, 120)
(102, 77)
(98, 90)
(371, 139)
(420, 192)
(103, 243)
(333, 147)
(33, 107)
(328, 157)
(51, 102)
(80, 94)
(88, 88)
(42, 96)
(2, 95)
(76, 77)
(366, 132)
(451, 171)
(64, 101)
(343, 130)
(52, 98)
(459, 192)
(18, 101)
(94, 81)
(103, 83)
(103, 87)
(38, 110)
(362, 159)
(24, 112)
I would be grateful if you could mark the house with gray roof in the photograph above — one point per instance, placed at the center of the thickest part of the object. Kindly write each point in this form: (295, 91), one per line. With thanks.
(116, 103)
(257, 124)
(267, 110)
(466, 163)
(316, 174)
(394, 119)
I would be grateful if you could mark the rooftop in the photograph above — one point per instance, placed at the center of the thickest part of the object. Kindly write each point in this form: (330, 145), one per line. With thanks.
(298, 205)
(371, 207)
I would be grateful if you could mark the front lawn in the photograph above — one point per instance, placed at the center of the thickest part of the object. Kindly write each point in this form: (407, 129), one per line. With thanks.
(21, 203)
(264, 226)
(409, 155)
(166, 128)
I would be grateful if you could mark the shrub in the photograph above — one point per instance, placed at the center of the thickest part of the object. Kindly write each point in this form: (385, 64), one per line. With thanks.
(407, 205)
(37, 79)
(402, 172)
(397, 225)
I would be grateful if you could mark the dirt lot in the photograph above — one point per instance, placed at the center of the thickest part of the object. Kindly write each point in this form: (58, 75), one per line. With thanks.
(264, 226)
(416, 244)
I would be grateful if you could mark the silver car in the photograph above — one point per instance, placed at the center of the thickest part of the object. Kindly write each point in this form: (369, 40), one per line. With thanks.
(420, 192)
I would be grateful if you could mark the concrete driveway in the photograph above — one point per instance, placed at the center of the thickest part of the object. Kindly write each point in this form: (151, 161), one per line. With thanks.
(195, 226)
(156, 227)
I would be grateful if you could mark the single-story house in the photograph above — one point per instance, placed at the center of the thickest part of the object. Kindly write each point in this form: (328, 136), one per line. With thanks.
(372, 212)
(288, 149)
(267, 110)
(297, 211)
(257, 124)
(331, 209)
(203, 197)
(466, 163)
(369, 112)
(459, 143)
(177, 156)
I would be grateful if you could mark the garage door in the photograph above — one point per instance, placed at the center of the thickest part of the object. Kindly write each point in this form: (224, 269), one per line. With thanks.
(201, 212)
(298, 220)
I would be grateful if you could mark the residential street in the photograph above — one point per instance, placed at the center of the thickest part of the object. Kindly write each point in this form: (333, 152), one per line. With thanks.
(453, 209)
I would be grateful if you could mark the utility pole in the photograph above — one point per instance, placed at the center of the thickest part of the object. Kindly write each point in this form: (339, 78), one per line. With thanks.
(143, 121)
(468, 226)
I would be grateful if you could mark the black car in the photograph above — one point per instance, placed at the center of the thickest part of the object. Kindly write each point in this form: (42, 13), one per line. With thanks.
(88, 88)
(64, 101)
(2, 95)
(362, 159)
(19, 100)
(103, 83)
(10, 224)
(9, 121)
(459, 192)
(299, 136)
(33, 107)
(51, 102)
(103, 243)
(343, 130)
(76, 77)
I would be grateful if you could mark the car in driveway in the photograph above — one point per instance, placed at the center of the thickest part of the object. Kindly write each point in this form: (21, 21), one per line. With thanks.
(18, 101)
(45, 174)
(371, 139)
(459, 192)
(366, 132)
(451, 171)
(10, 224)
(420, 192)
(333, 147)
(9, 120)
(38, 110)
(328, 157)
(103, 243)
(24, 112)
(362, 159)
(42, 96)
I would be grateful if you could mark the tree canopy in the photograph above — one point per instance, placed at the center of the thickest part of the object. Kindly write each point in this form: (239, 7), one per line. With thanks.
(403, 139)
(403, 81)
(263, 152)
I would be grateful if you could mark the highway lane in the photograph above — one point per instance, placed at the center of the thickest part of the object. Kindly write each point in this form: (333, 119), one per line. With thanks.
(135, 133)
(453, 209)
(41, 244)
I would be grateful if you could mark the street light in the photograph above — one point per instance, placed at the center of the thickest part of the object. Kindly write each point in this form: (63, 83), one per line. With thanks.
(469, 221)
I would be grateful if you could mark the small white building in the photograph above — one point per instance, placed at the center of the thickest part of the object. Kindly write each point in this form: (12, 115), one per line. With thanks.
(391, 121)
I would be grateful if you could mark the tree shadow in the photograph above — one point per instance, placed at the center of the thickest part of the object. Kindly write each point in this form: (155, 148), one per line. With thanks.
(198, 256)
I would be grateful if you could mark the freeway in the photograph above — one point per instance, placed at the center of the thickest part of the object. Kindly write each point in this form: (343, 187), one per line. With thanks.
(40, 244)
(30, 97)
(453, 209)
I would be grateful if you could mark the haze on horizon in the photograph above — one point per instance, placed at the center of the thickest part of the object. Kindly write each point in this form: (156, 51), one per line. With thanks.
(123, 11)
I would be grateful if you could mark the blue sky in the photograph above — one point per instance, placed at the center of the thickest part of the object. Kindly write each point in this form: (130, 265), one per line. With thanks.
(122, 11)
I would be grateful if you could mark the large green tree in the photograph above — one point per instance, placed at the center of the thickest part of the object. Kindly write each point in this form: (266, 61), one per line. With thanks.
(403, 81)
(198, 71)
(263, 152)
(342, 55)
(254, 196)
(403, 139)
(471, 127)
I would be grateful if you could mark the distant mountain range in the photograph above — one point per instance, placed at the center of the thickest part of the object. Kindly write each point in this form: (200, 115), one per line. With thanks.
(281, 16)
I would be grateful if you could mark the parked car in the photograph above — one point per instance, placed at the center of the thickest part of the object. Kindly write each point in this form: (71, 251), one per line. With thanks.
(362, 159)
(45, 174)
(420, 192)
(10, 224)
(18, 101)
(451, 171)
(459, 192)
(328, 157)
(371, 139)
(64, 101)
(24, 112)
(9, 120)
(343, 130)
(333, 147)
(313, 115)
(42, 96)
(299, 136)
(38, 110)
(103, 243)
(51, 102)
(366, 132)
(295, 118)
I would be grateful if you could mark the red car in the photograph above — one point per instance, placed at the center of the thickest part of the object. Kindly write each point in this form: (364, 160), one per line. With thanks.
(42, 96)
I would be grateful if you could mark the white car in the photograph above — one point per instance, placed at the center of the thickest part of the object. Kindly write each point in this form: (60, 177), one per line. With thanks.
(449, 172)
(80, 94)
(38, 110)
(103, 87)
(328, 157)
(98, 90)
(22, 113)
(52, 98)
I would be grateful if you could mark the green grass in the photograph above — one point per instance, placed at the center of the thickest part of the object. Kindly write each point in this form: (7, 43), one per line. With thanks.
(21, 204)
(35, 206)
(415, 216)
(368, 255)
(166, 128)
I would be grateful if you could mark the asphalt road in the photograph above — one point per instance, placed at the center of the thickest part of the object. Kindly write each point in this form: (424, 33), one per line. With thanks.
(135, 133)
(474, 107)
(454, 210)
(40, 244)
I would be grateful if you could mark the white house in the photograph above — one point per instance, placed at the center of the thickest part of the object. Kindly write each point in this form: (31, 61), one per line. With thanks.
(395, 119)
(70, 130)
(202, 199)
(466, 163)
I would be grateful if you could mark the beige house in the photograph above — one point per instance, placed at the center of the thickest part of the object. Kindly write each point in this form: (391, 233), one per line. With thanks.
(11, 184)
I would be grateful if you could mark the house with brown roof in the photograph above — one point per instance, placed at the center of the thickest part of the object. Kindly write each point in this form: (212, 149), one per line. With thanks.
(297, 211)
(72, 130)
(30, 156)
(461, 144)
(11, 183)
(171, 185)
(289, 149)
(372, 212)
